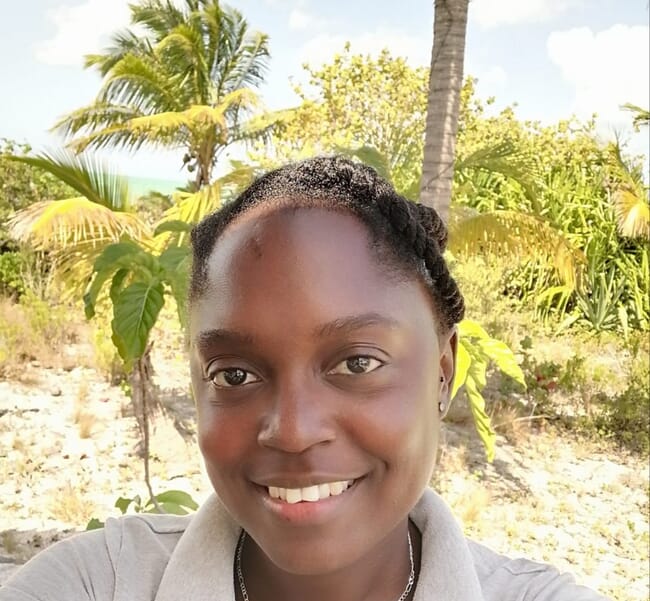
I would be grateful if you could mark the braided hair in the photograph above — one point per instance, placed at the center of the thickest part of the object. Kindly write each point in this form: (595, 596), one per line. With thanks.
(409, 239)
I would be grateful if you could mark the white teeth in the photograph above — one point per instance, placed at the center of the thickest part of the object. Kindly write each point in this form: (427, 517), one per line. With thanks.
(309, 494)
(294, 495)
(336, 488)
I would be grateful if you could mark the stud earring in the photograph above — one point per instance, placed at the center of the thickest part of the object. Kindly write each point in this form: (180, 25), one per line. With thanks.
(442, 407)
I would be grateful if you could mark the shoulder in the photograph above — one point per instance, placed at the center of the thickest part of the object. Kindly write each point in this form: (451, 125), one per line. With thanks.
(95, 565)
(506, 579)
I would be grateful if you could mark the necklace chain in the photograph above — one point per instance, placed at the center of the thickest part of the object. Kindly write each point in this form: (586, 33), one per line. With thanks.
(242, 584)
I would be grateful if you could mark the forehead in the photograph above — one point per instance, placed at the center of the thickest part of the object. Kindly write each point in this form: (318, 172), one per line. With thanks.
(300, 265)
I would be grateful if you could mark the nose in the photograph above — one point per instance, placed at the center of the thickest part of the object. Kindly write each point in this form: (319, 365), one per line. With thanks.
(298, 418)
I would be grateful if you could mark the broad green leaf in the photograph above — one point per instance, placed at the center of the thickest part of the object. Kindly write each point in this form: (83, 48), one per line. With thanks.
(135, 312)
(174, 257)
(173, 225)
(116, 284)
(481, 419)
(177, 497)
(470, 328)
(123, 503)
(108, 262)
(463, 361)
(503, 357)
(94, 524)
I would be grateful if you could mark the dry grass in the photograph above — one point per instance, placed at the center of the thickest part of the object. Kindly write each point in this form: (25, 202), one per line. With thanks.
(9, 542)
(84, 419)
(67, 504)
(34, 330)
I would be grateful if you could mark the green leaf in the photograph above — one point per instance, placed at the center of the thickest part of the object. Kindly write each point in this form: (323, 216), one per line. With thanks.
(177, 497)
(481, 419)
(123, 503)
(116, 284)
(135, 312)
(463, 361)
(503, 357)
(94, 524)
(469, 328)
(109, 261)
(171, 258)
(173, 225)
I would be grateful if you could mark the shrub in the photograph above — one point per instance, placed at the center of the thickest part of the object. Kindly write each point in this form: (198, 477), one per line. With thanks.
(11, 279)
(626, 416)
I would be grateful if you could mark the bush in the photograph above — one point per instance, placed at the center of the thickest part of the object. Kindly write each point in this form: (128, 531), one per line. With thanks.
(11, 278)
(626, 416)
(34, 329)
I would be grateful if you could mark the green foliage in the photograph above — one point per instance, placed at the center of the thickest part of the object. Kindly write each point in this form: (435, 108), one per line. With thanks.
(11, 278)
(589, 192)
(625, 416)
(358, 102)
(22, 185)
(176, 502)
(34, 328)
(139, 280)
(476, 350)
(181, 76)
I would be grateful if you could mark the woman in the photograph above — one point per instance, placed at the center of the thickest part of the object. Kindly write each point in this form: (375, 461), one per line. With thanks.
(323, 344)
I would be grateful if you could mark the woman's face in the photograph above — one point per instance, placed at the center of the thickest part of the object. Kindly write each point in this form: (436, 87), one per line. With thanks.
(314, 371)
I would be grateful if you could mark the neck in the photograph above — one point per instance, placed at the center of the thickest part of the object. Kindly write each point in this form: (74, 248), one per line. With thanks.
(380, 575)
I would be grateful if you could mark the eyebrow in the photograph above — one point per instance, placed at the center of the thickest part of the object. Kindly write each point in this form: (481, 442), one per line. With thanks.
(355, 322)
(213, 336)
(210, 337)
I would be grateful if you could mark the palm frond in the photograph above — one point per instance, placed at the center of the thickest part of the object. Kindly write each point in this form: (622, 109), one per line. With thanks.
(515, 234)
(65, 224)
(641, 115)
(505, 159)
(95, 116)
(85, 174)
(632, 214)
(370, 156)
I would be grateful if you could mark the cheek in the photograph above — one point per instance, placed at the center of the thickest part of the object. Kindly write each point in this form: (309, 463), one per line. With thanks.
(401, 429)
(222, 437)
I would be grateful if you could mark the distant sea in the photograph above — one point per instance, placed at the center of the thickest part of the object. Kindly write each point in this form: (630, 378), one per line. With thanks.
(139, 186)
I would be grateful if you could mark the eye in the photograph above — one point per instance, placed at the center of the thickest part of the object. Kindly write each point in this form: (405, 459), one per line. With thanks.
(360, 364)
(232, 377)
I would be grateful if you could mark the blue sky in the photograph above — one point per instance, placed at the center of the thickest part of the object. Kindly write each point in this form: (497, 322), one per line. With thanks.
(553, 58)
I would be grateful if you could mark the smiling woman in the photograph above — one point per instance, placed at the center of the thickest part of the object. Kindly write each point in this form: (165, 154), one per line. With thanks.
(323, 346)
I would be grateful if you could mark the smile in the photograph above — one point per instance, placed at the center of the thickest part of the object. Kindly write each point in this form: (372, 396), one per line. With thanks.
(309, 494)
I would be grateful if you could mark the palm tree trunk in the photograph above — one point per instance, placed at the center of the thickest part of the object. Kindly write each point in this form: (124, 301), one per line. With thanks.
(445, 83)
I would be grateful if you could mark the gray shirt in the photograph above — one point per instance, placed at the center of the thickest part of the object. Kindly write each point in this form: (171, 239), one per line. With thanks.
(168, 558)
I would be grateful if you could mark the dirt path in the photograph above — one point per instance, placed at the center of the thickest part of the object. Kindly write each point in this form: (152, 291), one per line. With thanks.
(68, 451)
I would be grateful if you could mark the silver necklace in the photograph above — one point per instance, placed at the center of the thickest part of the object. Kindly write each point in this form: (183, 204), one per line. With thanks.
(242, 584)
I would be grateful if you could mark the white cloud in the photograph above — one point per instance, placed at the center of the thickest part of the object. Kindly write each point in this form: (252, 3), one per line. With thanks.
(322, 48)
(81, 29)
(493, 13)
(605, 69)
(299, 19)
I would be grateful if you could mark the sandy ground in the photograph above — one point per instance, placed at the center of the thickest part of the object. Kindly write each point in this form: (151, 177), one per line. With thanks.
(68, 451)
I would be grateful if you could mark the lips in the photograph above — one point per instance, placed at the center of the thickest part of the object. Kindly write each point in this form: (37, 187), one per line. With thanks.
(309, 494)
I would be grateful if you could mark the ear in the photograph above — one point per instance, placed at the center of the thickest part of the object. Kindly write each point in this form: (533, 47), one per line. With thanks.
(448, 344)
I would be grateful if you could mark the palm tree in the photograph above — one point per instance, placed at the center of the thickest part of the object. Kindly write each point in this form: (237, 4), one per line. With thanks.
(641, 115)
(75, 230)
(185, 83)
(446, 80)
